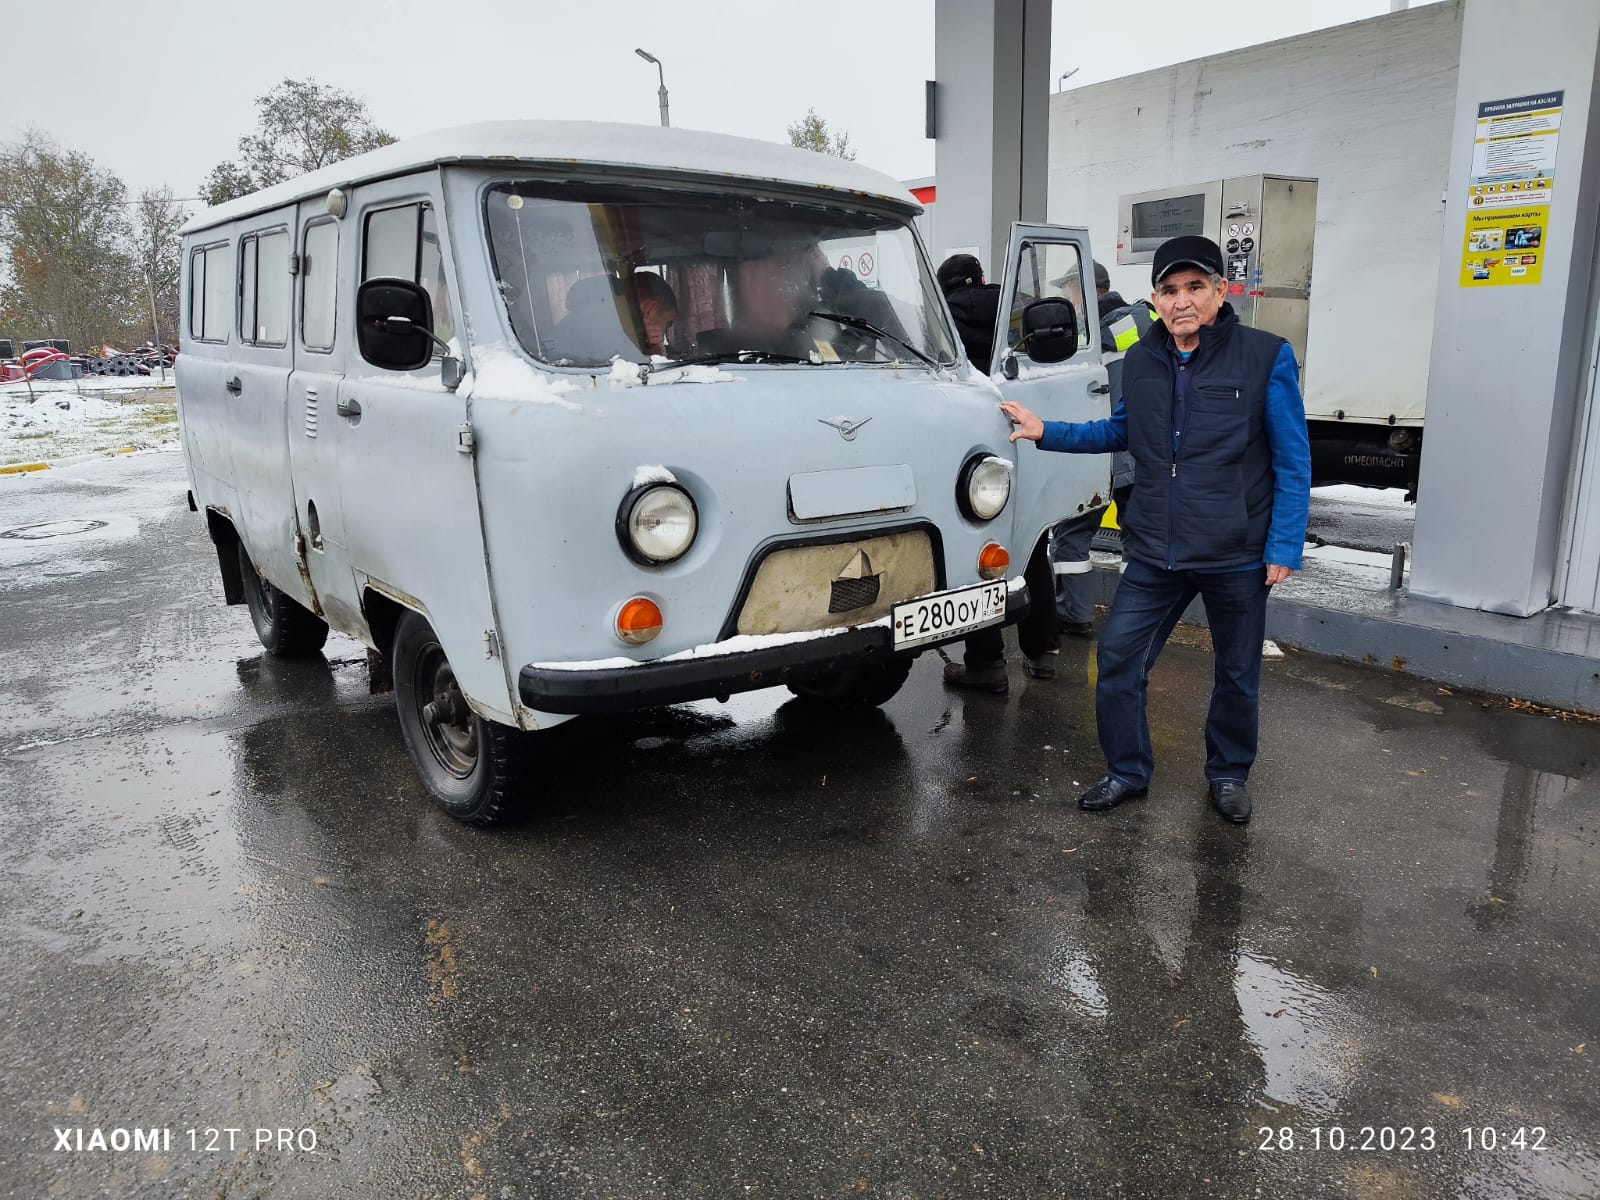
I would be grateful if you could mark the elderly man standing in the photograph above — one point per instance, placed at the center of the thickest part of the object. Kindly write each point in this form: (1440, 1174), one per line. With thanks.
(1212, 414)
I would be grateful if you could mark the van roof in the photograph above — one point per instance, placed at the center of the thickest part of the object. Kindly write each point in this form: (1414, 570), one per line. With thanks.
(605, 144)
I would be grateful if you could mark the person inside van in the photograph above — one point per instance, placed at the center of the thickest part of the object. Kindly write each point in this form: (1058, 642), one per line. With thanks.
(600, 324)
(658, 309)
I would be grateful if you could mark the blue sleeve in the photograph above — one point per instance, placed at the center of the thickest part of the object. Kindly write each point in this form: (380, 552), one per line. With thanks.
(1088, 437)
(1291, 462)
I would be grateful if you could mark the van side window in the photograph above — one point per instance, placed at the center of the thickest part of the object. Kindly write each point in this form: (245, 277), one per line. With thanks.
(403, 243)
(210, 293)
(319, 269)
(264, 287)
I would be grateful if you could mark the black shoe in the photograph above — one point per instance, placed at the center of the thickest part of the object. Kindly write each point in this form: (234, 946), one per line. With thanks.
(1078, 629)
(1229, 797)
(1042, 667)
(1108, 793)
(990, 677)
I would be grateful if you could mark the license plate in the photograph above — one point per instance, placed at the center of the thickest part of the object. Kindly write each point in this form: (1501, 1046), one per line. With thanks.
(949, 614)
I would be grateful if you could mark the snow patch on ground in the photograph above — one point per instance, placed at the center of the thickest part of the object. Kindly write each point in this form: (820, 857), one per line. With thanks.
(1346, 556)
(1376, 497)
(89, 416)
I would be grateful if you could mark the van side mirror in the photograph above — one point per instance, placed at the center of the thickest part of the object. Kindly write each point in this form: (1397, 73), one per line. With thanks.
(1049, 330)
(394, 324)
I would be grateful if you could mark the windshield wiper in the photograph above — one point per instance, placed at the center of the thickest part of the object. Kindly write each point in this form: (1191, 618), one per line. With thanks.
(730, 356)
(868, 327)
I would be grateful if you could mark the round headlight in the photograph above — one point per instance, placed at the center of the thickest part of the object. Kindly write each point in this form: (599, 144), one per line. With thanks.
(660, 523)
(985, 487)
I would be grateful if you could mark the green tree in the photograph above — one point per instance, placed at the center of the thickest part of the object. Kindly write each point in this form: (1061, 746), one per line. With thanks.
(301, 125)
(811, 133)
(66, 238)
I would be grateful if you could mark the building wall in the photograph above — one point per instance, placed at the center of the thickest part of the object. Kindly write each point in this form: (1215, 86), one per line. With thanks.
(1366, 109)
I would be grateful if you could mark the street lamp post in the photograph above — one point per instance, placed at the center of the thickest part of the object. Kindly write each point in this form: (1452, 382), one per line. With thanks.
(661, 75)
(1066, 75)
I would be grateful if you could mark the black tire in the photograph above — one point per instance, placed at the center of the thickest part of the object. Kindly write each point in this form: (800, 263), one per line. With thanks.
(476, 770)
(286, 628)
(868, 685)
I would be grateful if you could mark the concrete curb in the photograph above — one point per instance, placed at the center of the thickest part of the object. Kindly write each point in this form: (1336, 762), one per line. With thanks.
(1552, 659)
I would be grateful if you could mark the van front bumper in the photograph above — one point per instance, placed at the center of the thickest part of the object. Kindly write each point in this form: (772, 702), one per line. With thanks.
(590, 690)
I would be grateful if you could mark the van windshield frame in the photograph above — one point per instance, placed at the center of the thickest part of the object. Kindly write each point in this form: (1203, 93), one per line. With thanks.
(654, 274)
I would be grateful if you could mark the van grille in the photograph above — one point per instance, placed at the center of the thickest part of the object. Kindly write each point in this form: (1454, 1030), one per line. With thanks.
(851, 594)
(311, 415)
(833, 585)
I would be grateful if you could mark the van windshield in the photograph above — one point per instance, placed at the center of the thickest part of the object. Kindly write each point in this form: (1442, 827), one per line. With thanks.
(650, 274)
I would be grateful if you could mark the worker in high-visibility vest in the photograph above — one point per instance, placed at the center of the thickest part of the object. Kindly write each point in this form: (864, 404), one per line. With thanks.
(1121, 325)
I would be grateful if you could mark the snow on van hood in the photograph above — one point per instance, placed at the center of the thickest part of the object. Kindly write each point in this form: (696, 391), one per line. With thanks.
(501, 373)
(661, 370)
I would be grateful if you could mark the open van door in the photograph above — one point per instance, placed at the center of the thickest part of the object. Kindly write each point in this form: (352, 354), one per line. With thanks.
(1051, 262)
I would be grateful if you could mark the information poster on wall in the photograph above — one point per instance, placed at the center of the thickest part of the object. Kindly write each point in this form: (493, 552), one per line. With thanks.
(1510, 190)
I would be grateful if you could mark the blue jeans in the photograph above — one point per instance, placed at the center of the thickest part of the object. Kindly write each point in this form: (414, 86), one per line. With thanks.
(1148, 603)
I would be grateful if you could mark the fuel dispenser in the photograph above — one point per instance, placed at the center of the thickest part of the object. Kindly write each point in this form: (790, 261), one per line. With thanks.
(1265, 224)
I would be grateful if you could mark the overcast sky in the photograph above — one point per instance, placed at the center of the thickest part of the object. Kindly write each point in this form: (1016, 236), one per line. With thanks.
(164, 97)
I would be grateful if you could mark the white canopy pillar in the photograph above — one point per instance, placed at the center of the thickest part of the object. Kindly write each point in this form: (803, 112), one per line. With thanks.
(992, 99)
(1508, 386)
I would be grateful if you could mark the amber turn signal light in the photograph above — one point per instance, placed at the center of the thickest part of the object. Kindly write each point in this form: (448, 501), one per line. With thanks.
(638, 621)
(993, 562)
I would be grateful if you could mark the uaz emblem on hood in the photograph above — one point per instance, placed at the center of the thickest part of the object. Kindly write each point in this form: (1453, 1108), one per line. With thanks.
(846, 427)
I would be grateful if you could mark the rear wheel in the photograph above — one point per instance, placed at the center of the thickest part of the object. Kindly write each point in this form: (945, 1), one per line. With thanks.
(473, 768)
(869, 684)
(286, 628)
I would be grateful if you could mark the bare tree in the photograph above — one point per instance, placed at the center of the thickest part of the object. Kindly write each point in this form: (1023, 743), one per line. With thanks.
(66, 239)
(159, 252)
(302, 125)
(811, 133)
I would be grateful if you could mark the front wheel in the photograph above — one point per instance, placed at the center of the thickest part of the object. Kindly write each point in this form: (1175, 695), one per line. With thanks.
(869, 684)
(286, 627)
(473, 768)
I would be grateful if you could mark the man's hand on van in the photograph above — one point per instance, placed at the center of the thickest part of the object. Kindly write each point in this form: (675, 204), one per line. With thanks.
(1027, 424)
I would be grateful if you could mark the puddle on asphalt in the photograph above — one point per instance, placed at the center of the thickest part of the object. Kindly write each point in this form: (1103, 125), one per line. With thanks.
(1291, 1022)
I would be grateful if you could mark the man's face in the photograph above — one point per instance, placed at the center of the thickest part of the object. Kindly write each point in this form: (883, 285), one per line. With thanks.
(658, 318)
(1186, 300)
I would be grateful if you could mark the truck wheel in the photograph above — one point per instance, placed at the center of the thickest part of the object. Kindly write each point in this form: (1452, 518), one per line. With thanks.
(286, 628)
(473, 768)
(871, 684)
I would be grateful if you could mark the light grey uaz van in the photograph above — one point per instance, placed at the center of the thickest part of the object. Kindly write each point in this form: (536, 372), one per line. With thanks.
(571, 418)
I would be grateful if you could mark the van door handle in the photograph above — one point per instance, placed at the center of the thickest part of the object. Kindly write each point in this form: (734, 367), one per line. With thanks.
(349, 408)
(234, 386)
(1100, 389)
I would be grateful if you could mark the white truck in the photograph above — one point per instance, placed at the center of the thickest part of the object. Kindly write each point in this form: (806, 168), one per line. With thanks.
(1365, 110)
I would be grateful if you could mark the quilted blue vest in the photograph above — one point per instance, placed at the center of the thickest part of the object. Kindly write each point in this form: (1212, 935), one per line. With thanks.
(1202, 501)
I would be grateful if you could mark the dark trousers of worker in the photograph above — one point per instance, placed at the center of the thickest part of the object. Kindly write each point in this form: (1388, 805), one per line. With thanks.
(1148, 604)
(1038, 633)
(1073, 570)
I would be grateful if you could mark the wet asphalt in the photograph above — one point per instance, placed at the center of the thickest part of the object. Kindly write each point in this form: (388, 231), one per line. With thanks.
(743, 950)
